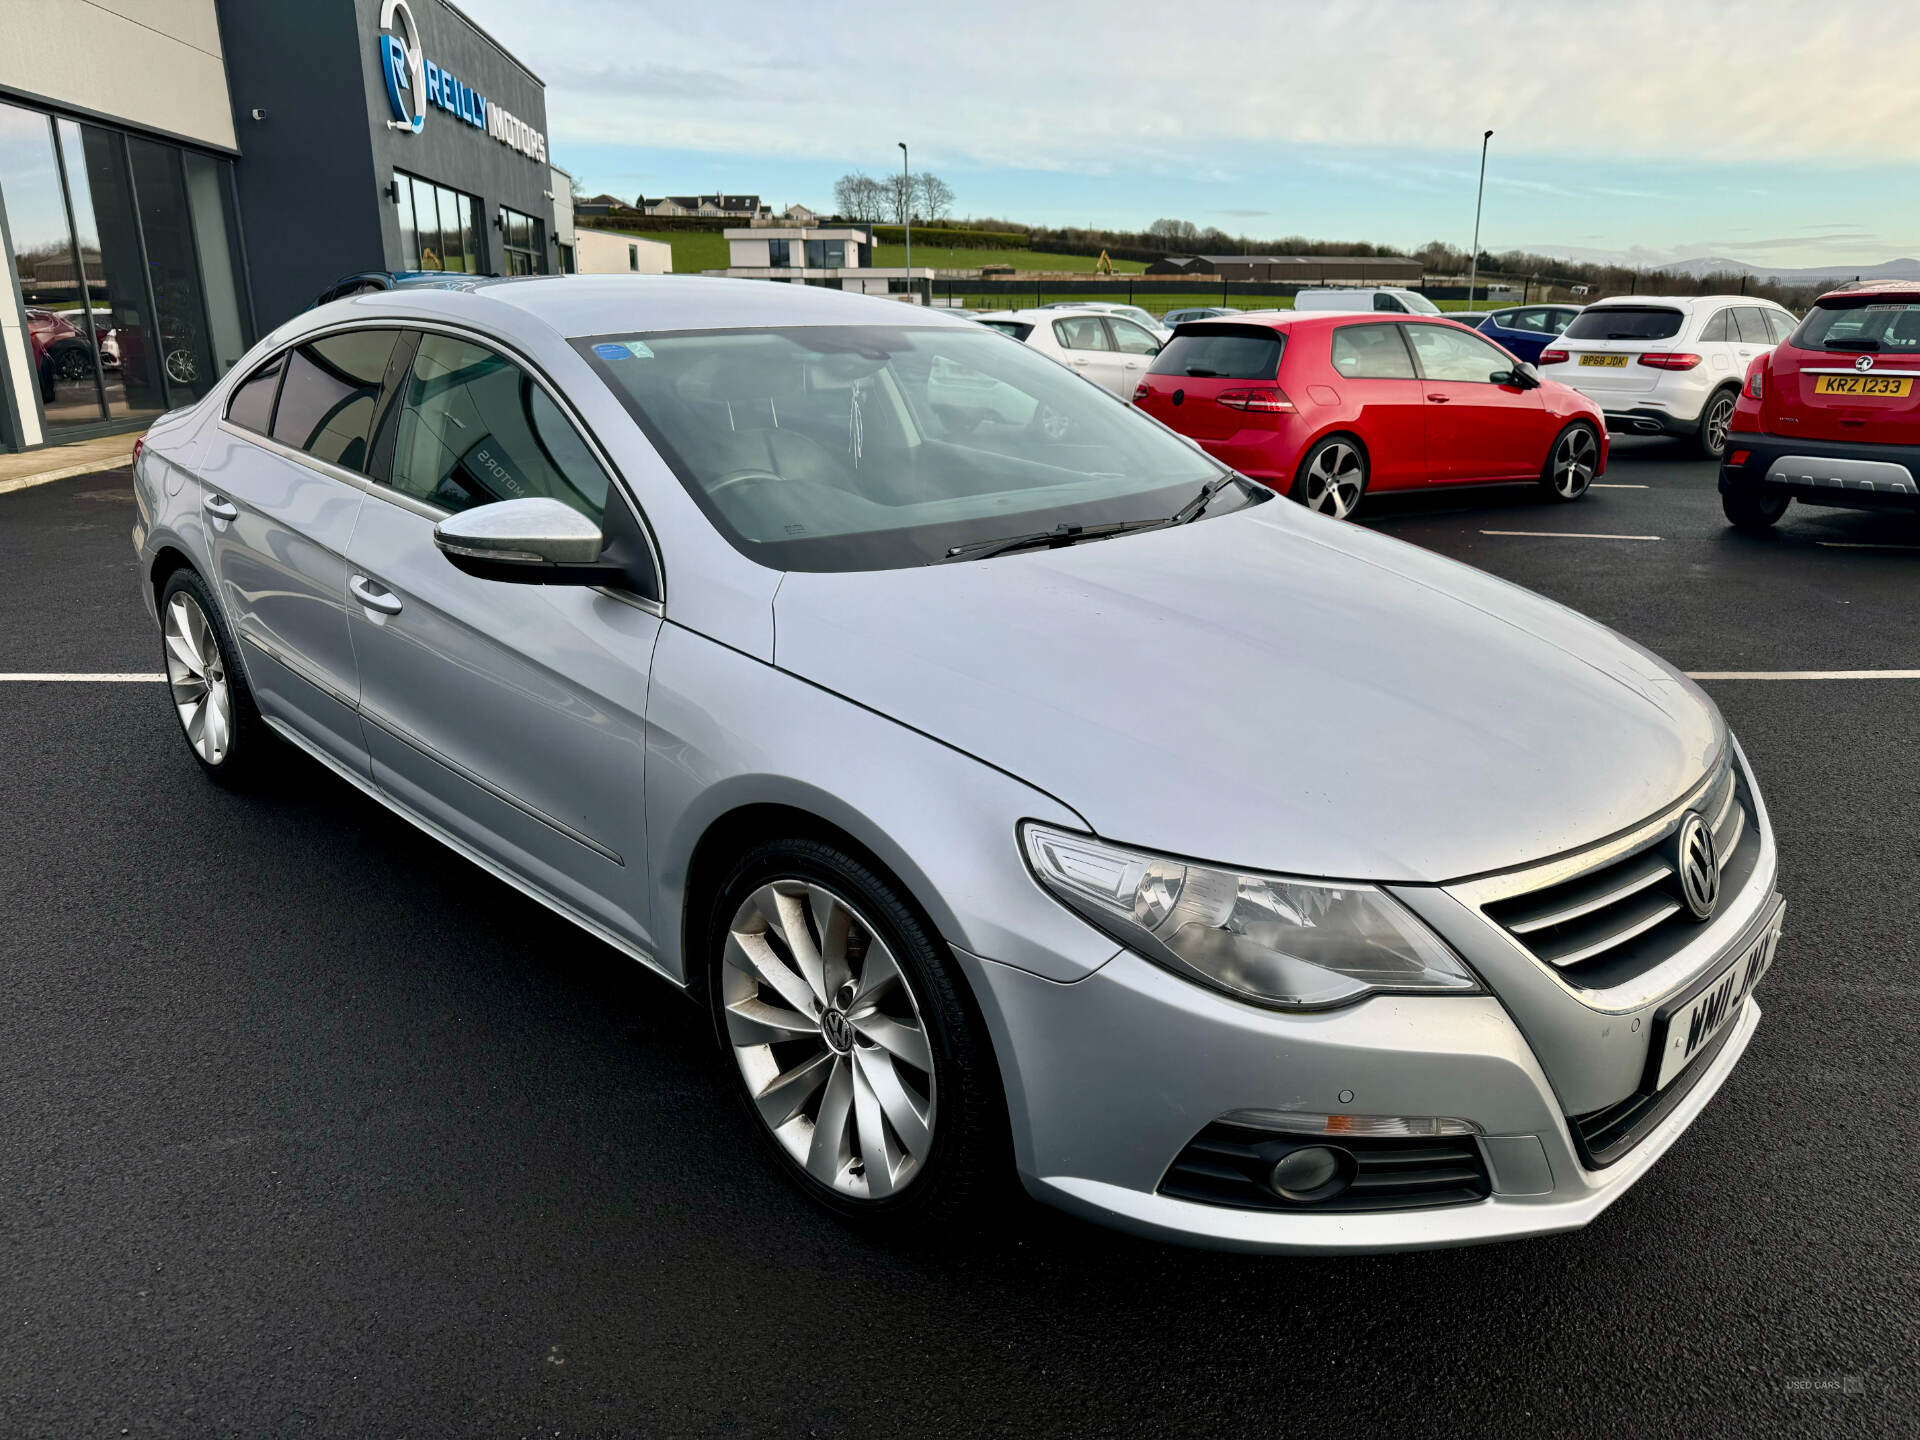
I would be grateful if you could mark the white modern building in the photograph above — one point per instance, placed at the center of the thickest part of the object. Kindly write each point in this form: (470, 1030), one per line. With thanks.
(839, 257)
(608, 252)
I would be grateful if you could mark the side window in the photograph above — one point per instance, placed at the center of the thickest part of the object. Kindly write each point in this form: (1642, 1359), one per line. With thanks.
(330, 393)
(1781, 323)
(1751, 321)
(1371, 352)
(1083, 332)
(1720, 327)
(1505, 319)
(1449, 354)
(1132, 339)
(475, 428)
(1383, 301)
(252, 404)
(1558, 320)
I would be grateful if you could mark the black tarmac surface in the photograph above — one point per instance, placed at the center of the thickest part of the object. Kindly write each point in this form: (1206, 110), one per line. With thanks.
(307, 1127)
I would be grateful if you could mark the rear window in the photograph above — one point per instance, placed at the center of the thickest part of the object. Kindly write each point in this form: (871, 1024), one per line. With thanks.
(1889, 326)
(1019, 329)
(1252, 353)
(1625, 322)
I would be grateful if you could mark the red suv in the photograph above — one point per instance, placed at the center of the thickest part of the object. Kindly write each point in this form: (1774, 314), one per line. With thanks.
(1329, 407)
(1832, 415)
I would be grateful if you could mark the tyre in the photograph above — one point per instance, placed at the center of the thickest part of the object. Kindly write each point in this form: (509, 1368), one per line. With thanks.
(222, 727)
(851, 1041)
(1715, 421)
(1571, 462)
(1332, 477)
(1754, 514)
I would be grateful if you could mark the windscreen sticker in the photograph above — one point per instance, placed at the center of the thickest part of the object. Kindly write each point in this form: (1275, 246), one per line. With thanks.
(630, 350)
(1893, 307)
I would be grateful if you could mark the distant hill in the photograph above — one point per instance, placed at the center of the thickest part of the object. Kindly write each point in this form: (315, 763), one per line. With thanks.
(1699, 265)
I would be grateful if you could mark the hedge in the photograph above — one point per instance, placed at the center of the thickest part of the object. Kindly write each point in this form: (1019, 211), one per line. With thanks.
(952, 238)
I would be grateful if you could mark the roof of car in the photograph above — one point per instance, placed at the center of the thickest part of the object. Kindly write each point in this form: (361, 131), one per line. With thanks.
(1882, 289)
(1682, 302)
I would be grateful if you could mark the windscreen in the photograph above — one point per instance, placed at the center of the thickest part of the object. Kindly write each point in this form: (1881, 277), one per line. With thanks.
(1416, 304)
(1250, 353)
(1867, 327)
(875, 447)
(1625, 322)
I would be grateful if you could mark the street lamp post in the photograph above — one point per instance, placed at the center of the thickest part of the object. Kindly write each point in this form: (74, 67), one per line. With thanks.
(906, 206)
(1473, 260)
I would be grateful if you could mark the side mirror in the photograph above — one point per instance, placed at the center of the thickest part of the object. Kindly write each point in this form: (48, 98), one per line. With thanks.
(1522, 374)
(529, 542)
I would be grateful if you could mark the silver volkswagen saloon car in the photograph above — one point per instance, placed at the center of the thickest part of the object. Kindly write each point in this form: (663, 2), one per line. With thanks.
(1021, 792)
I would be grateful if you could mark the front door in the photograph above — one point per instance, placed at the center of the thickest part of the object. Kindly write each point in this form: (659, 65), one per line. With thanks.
(511, 715)
(1136, 347)
(1482, 423)
(283, 486)
(1088, 348)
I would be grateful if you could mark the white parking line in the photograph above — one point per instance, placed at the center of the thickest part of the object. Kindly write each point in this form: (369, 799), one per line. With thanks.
(1609, 485)
(1803, 674)
(1568, 535)
(1865, 545)
(79, 679)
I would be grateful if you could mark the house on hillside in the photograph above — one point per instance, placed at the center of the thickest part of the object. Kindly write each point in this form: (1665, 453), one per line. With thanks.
(799, 215)
(599, 205)
(838, 257)
(718, 207)
(608, 252)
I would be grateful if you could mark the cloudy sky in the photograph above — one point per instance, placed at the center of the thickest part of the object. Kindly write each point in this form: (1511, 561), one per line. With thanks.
(1780, 132)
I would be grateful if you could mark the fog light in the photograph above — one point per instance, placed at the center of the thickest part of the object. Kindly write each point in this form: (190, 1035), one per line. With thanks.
(1738, 457)
(1313, 1172)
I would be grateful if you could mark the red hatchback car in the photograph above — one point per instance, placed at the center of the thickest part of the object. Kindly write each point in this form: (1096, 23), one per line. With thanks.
(1328, 407)
(1831, 415)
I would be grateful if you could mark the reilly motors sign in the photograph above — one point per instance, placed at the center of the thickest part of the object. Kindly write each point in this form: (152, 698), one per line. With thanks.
(414, 83)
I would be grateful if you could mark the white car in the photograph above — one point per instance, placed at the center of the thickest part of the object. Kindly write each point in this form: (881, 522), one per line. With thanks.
(1110, 350)
(1388, 298)
(1667, 364)
(1134, 313)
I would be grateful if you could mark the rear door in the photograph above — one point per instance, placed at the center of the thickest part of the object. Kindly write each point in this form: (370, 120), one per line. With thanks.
(1373, 379)
(1604, 344)
(510, 715)
(1850, 373)
(284, 479)
(1088, 348)
(1481, 423)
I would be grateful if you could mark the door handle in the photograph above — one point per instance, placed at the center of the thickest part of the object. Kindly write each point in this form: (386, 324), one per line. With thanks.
(1439, 399)
(373, 596)
(219, 507)
(1080, 362)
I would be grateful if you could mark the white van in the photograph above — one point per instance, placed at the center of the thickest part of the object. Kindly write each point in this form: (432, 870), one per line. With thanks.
(1389, 298)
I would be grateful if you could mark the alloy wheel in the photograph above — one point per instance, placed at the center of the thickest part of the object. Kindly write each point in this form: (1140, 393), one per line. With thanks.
(1719, 423)
(197, 676)
(828, 1035)
(1335, 478)
(1573, 462)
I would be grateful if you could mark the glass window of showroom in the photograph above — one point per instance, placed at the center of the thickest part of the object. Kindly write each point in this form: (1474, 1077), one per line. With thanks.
(122, 247)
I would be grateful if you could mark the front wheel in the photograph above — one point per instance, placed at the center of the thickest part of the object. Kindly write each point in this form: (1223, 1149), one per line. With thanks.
(1572, 462)
(1715, 423)
(208, 689)
(855, 1053)
(1332, 477)
(1753, 514)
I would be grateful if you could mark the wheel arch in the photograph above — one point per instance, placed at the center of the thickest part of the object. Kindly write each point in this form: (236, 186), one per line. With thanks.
(167, 560)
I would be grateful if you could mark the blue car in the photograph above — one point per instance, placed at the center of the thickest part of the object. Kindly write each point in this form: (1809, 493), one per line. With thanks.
(1526, 330)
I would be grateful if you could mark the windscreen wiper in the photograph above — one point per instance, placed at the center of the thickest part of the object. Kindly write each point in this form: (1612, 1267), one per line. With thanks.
(1197, 506)
(1055, 539)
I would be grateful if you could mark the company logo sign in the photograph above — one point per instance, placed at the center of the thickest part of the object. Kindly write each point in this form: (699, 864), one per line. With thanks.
(415, 82)
(1865, 362)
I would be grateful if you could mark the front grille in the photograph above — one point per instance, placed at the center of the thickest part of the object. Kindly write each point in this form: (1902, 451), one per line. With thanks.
(1227, 1164)
(1621, 918)
(1603, 1136)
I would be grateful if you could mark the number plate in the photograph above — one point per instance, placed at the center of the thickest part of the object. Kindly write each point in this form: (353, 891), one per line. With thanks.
(1895, 386)
(1611, 362)
(1692, 1026)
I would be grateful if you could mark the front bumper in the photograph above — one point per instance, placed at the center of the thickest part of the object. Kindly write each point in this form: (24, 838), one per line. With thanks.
(1823, 472)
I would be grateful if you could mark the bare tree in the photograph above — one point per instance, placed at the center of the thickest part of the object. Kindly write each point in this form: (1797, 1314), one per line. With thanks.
(932, 196)
(860, 197)
(1173, 230)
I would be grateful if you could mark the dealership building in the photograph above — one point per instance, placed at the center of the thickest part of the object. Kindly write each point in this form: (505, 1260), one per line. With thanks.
(177, 177)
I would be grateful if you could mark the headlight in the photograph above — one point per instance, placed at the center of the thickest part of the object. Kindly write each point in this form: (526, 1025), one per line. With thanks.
(1298, 944)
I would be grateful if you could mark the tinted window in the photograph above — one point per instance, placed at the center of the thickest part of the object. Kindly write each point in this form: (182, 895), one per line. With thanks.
(1084, 332)
(1223, 354)
(1862, 326)
(1371, 352)
(1752, 323)
(879, 446)
(1781, 323)
(329, 396)
(1558, 320)
(1018, 329)
(475, 429)
(1449, 354)
(1625, 322)
(1382, 301)
(1505, 319)
(1132, 339)
(252, 403)
(1720, 327)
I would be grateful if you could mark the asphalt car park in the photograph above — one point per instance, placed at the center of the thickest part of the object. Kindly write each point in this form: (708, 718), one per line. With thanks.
(313, 1126)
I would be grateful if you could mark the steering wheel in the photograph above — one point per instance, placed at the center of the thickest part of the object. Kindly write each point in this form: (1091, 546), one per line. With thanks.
(741, 477)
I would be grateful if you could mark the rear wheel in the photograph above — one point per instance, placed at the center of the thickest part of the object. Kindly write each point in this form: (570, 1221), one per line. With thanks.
(1332, 477)
(1754, 514)
(1571, 462)
(1715, 421)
